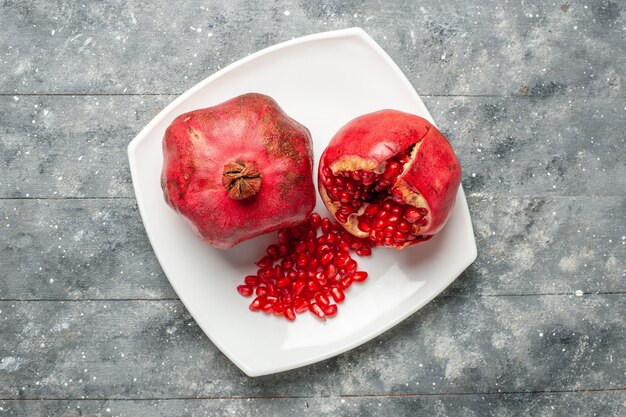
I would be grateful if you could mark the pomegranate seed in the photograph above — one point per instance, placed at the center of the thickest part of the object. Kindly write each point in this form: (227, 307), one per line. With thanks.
(342, 217)
(317, 310)
(326, 225)
(283, 282)
(364, 252)
(422, 222)
(302, 306)
(312, 285)
(296, 232)
(300, 247)
(267, 307)
(326, 258)
(345, 283)
(371, 210)
(283, 250)
(321, 249)
(411, 214)
(286, 264)
(337, 294)
(330, 271)
(403, 226)
(315, 220)
(322, 300)
(363, 226)
(255, 305)
(399, 236)
(297, 286)
(265, 273)
(287, 298)
(265, 262)
(301, 260)
(392, 169)
(289, 314)
(251, 280)
(244, 290)
(351, 266)
(272, 251)
(359, 276)
(342, 259)
(321, 278)
(396, 193)
(330, 310)
(284, 237)
(313, 264)
(261, 291)
(278, 272)
(278, 308)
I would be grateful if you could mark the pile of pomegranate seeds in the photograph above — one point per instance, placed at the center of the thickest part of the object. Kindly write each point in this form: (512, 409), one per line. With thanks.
(387, 220)
(306, 272)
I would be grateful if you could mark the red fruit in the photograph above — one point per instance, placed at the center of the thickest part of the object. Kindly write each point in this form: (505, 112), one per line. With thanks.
(330, 310)
(307, 277)
(397, 170)
(359, 276)
(317, 310)
(238, 170)
(301, 306)
(255, 305)
(322, 300)
(251, 280)
(245, 290)
(364, 252)
(338, 294)
(289, 314)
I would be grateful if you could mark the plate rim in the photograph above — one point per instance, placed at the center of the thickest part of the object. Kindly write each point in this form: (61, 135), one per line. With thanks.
(141, 136)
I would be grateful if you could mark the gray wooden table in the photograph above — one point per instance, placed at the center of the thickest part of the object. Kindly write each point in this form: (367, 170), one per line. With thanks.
(531, 95)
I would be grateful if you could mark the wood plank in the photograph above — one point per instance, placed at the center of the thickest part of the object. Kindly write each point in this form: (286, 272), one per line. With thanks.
(153, 349)
(445, 48)
(70, 146)
(76, 146)
(76, 249)
(97, 249)
(546, 245)
(576, 404)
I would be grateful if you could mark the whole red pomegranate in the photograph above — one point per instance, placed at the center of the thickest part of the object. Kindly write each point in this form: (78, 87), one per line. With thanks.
(238, 170)
(390, 176)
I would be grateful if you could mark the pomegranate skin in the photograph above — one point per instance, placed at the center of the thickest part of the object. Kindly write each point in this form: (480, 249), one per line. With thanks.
(238, 170)
(429, 180)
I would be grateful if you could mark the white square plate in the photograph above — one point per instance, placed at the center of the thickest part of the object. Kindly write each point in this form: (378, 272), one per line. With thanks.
(322, 81)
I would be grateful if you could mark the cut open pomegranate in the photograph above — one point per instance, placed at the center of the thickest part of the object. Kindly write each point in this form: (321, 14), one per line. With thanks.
(390, 176)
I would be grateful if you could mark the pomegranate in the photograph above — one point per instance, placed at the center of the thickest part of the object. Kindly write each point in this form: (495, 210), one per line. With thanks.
(304, 270)
(390, 176)
(238, 170)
